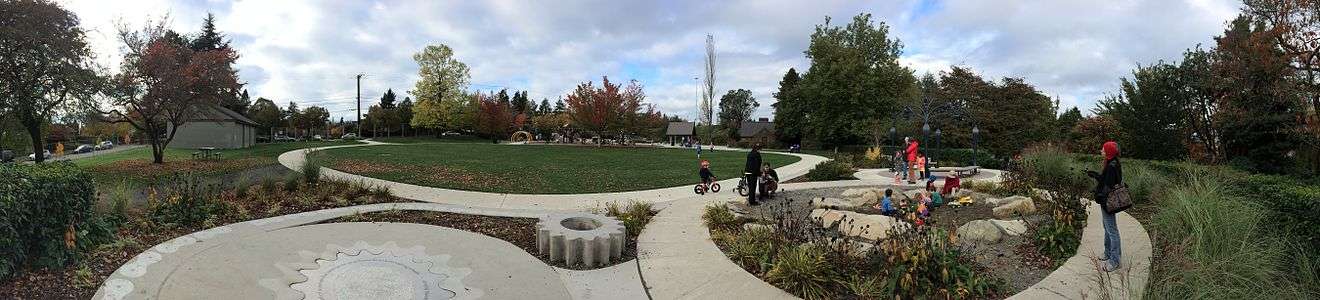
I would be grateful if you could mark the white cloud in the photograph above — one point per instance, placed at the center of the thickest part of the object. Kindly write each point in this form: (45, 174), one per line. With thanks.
(308, 51)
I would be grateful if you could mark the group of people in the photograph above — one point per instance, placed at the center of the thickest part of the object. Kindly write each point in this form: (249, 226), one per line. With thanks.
(754, 171)
(917, 210)
(910, 163)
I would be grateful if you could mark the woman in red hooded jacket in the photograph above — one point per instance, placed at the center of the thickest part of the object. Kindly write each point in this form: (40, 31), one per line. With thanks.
(912, 147)
(1108, 179)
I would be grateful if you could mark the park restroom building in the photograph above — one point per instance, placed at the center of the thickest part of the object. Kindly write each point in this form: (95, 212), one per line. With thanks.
(216, 127)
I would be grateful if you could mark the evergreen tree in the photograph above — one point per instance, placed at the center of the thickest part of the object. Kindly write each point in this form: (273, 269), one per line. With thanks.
(209, 39)
(559, 106)
(790, 115)
(387, 100)
(545, 108)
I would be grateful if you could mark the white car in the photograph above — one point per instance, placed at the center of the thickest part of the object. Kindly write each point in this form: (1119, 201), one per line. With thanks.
(45, 154)
(105, 145)
(349, 136)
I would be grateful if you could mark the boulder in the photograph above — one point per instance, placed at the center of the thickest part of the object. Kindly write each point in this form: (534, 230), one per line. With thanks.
(870, 227)
(980, 231)
(849, 204)
(1015, 208)
(850, 193)
(1011, 227)
(1001, 201)
(912, 194)
(756, 226)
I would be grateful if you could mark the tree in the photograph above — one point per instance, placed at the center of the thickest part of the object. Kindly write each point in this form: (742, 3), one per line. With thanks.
(209, 38)
(313, 118)
(854, 78)
(381, 119)
(560, 107)
(387, 100)
(405, 113)
(291, 116)
(544, 108)
(1090, 133)
(266, 113)
(440, 89)
(494, 118)
(45, 65)
(1066, 122)
(521, 103)
(607, 109)
(736, 106)
(790, 114)
(1150, 112)
(1259, 102)
(163, 83)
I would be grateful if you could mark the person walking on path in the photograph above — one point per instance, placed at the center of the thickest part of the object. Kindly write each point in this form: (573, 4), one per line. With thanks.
(1108, 179)
(912, 147)
(752, 171)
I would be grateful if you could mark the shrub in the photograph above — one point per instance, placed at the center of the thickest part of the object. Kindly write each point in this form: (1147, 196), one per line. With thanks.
(43, 210)
(119, 201)
(291, 182)
(188, 200)
(719, 217)
(270, 184)
(242, 187)
(803, 271)
(1295, 204)
(381, 192)
(837, 169)
(635, 215)
(752, 249)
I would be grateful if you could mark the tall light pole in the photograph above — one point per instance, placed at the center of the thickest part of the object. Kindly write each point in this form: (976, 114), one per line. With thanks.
(359, 105)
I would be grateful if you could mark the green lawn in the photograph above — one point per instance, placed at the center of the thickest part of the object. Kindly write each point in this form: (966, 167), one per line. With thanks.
(135, 165)
(536, 169)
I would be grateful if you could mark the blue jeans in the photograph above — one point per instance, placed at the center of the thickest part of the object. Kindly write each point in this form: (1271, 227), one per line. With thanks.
(1113, 245)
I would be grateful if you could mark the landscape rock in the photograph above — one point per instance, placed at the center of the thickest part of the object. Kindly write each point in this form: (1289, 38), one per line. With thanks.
(756, 226)
(870, 227)
(1001, 201)
(849, 204)
(982, 231)
(1015, 208)
(850, 193)
(1011, 227)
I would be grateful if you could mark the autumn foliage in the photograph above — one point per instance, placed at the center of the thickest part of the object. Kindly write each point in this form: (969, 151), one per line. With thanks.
(611, 109)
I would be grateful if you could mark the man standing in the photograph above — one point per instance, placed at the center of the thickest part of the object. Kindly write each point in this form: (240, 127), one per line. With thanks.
(752, 171)
(912, 147)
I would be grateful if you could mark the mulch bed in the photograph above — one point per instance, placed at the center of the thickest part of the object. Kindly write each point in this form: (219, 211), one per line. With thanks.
(520, 232)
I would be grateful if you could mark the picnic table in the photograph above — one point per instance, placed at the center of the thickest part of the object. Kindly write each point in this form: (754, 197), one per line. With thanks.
(206, 153)
(963, 172)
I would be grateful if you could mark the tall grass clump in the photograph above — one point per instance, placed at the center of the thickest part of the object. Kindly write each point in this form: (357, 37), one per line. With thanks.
(1215, 246)
(311, 168)
(635, 215)
(719, 217)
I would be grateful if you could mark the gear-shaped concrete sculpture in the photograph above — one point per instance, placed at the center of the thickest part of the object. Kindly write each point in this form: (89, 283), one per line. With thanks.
(386, 272)
(579, 238)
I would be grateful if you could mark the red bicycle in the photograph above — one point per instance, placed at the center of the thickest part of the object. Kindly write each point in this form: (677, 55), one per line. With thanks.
(701, 188)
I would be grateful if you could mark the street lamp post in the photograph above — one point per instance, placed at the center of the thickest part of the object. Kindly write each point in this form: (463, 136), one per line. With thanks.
(937, 144)
(976, 135)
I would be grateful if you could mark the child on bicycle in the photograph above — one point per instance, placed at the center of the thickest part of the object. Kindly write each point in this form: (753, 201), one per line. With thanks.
(706, 176)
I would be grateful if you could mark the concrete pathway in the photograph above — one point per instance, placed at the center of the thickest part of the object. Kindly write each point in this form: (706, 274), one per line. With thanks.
(294, 160)
(288, 256)
(1080, 278)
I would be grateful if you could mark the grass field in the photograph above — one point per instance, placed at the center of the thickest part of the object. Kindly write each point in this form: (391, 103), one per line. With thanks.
(135, 165)
(536, 169)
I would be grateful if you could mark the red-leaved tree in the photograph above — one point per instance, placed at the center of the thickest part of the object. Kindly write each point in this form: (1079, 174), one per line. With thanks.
(163, 83)
(606, 110)
(494, 118)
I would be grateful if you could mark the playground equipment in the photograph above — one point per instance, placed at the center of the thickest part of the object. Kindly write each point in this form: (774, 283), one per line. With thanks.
(526, 136)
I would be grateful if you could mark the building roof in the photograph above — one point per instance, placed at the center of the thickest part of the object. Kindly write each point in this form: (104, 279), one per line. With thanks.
(681, 128)
(750, 128)
(220, 114)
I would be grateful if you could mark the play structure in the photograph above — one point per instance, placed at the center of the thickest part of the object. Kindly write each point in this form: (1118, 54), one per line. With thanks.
(525, 137)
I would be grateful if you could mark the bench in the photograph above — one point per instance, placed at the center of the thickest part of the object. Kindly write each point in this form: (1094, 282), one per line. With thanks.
(963, 172)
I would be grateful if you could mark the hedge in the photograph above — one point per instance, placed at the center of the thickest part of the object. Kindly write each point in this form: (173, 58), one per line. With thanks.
(38, 205)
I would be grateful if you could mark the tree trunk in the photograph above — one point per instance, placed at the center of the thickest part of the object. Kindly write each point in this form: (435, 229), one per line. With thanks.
(157, 151)
(34, 132)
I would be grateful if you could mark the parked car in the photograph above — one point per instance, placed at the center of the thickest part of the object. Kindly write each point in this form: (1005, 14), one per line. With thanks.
(281, 138)
(84, 148)
(105, 145)
(316, 137)
(44, 154)
(349, 136)
(450, 133)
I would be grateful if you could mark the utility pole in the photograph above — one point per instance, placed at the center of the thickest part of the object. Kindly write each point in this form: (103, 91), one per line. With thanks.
(359, 105)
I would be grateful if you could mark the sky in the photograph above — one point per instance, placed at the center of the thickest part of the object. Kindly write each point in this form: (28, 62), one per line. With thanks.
(309, 51)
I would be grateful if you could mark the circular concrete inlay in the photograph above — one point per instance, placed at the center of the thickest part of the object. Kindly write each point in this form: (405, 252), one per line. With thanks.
(389, 272)
(580, 223)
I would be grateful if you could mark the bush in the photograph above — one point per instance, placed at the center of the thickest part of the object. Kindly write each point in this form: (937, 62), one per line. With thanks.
(752, 249)
(1294, 204)
(831, 170)
(635, 215)
(803, 271)
(311, 168)
(719, 217)
(43, 210)
(187, 200)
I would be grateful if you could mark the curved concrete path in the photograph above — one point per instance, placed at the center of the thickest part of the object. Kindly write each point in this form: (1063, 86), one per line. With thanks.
(294, 160)
(678, 260)
(262, 259)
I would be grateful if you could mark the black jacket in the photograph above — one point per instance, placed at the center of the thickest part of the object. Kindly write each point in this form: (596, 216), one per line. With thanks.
(1107, 179)
(753, 163)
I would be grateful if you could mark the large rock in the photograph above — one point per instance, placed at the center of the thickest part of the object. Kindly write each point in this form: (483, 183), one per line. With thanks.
(980, 231)
(1001, 201)
(1013, 209)
(853, 193)
(850, 204)
(870, 227)
(1011, 227)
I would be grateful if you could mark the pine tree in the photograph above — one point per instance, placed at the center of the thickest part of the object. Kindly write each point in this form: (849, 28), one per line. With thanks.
(387, 100)
(209, 39)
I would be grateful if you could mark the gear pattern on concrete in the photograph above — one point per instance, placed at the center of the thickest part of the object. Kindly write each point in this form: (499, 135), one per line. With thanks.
(581, 238)
(364, 271)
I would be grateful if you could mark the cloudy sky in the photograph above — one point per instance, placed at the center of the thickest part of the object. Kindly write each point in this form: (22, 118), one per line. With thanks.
(308, 51)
